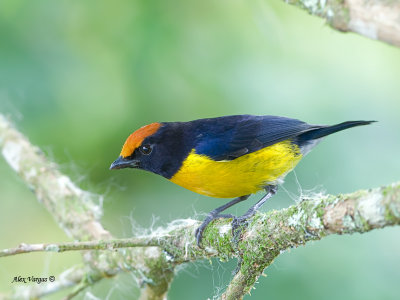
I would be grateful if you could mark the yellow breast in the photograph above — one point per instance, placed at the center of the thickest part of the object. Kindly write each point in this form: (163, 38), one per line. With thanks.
(242, 176)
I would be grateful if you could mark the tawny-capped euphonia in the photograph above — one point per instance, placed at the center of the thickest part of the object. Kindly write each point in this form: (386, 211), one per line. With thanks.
(225, 157)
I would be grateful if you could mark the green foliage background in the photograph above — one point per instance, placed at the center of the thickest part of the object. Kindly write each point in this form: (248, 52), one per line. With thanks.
(77, 77)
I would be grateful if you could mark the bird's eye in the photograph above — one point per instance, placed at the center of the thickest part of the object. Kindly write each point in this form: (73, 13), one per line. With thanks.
(145, 149)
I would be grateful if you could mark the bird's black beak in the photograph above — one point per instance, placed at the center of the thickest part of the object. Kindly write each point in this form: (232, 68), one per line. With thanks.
(121, 163)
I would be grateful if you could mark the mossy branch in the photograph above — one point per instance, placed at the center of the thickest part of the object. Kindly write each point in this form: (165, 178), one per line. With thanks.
(378, 19)
(156, 255)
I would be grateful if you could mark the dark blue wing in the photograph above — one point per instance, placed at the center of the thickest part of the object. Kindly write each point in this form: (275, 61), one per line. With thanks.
(227, 138)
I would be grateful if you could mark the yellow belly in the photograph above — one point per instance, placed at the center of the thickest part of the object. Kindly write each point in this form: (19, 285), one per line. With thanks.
(242, 176)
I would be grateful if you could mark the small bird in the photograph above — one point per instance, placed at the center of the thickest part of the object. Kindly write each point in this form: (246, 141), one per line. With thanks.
(225, 157)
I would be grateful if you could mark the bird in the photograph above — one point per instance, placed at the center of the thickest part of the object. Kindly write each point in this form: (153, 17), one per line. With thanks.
(225, 157)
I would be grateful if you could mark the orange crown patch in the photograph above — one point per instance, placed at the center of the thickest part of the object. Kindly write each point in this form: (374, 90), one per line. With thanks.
(136, 138)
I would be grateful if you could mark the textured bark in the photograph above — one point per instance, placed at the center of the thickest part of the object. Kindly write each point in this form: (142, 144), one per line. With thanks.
(375, 19)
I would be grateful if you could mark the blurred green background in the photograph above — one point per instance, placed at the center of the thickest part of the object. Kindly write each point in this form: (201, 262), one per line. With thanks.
(77, 77)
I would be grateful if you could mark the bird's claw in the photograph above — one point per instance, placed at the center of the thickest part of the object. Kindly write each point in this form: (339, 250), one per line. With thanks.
(199, 233)
(238, 223)
(200, 230)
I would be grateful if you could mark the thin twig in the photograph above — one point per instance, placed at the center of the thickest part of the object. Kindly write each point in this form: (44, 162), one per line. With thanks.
(77, 246)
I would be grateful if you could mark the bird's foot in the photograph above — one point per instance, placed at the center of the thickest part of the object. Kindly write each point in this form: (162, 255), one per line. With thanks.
(238, 224)
(211, 217)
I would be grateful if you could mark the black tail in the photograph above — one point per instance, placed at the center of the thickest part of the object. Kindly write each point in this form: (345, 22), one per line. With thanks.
(326, 130)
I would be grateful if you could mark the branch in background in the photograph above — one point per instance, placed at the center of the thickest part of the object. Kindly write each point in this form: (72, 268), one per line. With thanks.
(77, 212)
(378, 19)
(267, 235)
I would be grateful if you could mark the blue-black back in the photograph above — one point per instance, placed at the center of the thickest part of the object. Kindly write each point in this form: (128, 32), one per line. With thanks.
(229, 137)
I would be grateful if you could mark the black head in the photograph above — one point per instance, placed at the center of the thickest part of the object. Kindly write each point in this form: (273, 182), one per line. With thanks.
(159, 148)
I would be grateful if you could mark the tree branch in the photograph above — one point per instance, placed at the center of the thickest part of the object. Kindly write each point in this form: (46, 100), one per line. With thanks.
(75, 246)
(377, 19)
(156, 255)
(76, 211)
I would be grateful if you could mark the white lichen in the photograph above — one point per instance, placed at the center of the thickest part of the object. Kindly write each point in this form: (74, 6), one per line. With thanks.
(211, 250)
(53, 248)
(224, 229)
(367, 29)
(68, 187)
(251, 231)
(12, 154)
(153, 252)
(371, 209)
(313, 5)
(348, 222)
(329, 13)
(295, 219)
(315, 222)
(31, 173)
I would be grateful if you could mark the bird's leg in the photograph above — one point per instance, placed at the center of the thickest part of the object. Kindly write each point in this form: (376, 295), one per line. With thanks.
(215, 214)
(238, 222)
